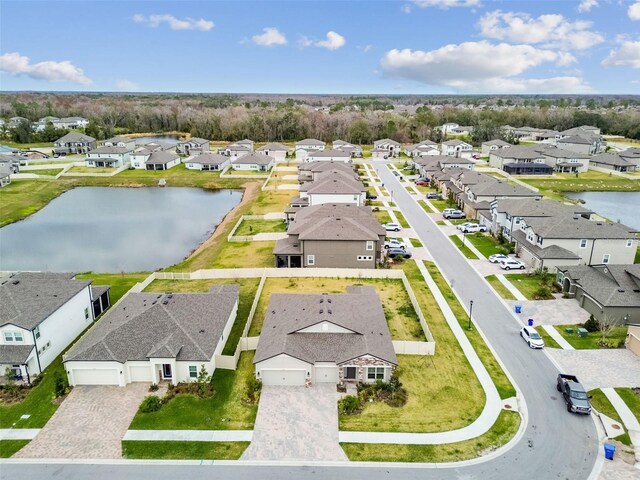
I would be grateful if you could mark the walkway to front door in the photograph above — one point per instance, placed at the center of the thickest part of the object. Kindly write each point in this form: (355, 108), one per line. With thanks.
(296, 423)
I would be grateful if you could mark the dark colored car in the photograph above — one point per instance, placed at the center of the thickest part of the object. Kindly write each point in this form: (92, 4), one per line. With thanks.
(399, 252)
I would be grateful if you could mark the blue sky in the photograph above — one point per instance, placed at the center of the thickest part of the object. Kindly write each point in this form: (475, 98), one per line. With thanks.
(394, 47)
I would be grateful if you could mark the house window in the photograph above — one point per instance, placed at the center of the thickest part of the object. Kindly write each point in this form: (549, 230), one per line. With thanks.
(630, 242)
(583, 243)
(311, 259)
(369, 244)
(86, 313)
(375, 373)
(193, 371)
(8, 337)
(36, 332)
(605, 258)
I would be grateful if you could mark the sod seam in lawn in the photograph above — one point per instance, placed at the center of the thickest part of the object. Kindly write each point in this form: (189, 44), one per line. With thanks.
(466, 251)
(182, 450)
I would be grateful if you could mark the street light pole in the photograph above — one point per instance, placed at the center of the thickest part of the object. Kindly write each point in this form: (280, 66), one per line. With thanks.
(470, 310)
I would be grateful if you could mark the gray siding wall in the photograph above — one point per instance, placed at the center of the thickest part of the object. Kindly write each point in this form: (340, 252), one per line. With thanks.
(344, 254)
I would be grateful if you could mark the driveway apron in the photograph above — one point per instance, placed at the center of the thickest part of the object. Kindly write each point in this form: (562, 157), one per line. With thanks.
(296, 423)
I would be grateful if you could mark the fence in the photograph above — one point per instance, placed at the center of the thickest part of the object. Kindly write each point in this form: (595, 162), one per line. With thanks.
(406, 347)
(248, 238)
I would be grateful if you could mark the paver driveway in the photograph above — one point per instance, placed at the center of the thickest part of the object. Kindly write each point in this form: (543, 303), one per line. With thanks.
(560, 311)
(90, 423)
(296, 423)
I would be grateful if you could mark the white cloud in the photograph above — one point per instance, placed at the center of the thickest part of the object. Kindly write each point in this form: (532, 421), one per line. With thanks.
(271, 36)
(445, 4)
(634, 11)
(65, 71)
(174, 23)
(333, 41)
(406, 8)
(587, 5)
(550, 31)
(628, 55)
(127, 85)
(364, 48)
(481, 67)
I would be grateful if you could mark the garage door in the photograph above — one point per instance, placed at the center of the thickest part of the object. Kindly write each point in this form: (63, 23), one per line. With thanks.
(140, 373)
(283, 377)
(95, 377)
(325, 374)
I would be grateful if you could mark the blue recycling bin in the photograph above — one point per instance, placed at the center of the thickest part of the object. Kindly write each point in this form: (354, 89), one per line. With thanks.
(609, 451)
(530, 322)
(518, 308)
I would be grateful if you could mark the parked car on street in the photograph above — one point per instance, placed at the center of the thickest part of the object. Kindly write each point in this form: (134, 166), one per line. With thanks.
(422, 183)
(392, 227)
(394, 243)
(512, 264)
(532, 337)
(473, 228)
(454, 214)
(498, 257)
(574, 394)
(433, 195)
(393, 252)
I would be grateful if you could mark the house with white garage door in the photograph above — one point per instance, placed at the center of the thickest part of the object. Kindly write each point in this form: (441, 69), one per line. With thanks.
(325, 338)
(153, 337)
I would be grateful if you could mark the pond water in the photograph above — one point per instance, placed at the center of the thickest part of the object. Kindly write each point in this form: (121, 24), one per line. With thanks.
(115, 229)
(172, 139)
(616, 206)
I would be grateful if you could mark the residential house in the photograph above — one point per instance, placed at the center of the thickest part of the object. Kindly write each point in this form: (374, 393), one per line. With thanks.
(334, 186)
(15, 121)
(234, 150)
(564, 161)
(331, 235)
(254, 161)
(304, 147)
(208, 162)
(71, 123)
(611, 293)
(456, 162)
(325, 338)
(245, 143)
(426, 147)
(613, 161)
(275, 150)
(354, 150)
(462, 130)
(447, 128)
(329, 155)
(10, 163)
(392, 147)
(491, 145)
(74, 142)
(520, 160)
(5, 174)
(631, 155)
(379, 153)
(577, 143)
(584, 139)
(574, 240)
(312, 170)
(113, 157)
(40, 315)
(193, 146)
(123, 142)
(162, 160)
(142, 153)
(456, 148)
(151, 337)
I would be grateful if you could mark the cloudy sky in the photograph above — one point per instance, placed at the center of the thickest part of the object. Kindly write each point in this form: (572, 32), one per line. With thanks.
(415, 46)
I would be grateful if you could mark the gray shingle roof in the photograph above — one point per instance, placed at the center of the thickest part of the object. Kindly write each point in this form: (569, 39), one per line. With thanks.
(14, 354)
(502, 189)
(27, 299)
(576, 139)
(530, 207)
(331, 153)
(578, 228)
(310, 141)
(111, 150)
(75, 137)
(195, 140)
(273, 146)
(551, 252)
(385, 140)
(254, 158)
(209, 159)
(322, 166)
(612, 159)
(610, 285)
(334, 181)
(359, 310)
(455, 142)
(336, 222)
(161, 157)
(185, 326)
(518, 152)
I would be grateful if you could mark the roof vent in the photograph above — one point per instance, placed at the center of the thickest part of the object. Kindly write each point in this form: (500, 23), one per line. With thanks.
(621, 290)
(165, 301)
(599, 223)
(16, 282)
(329, 311)
(170, 295)
(321, 311)
(321, 300)
(202, 331)
(328, 300)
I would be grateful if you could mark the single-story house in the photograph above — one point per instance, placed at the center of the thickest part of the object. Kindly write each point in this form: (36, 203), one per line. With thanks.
(275, 150)
(325, 338)
(456, 148)
(613, 161)
(234, 150)
(193, 146)
(162, 160)
(151, 337)
(40, 315)
(124, 142)
(354, 150)
(254, 161)
(312, 170)
(207, 161)
(330, 155)
(381, 153)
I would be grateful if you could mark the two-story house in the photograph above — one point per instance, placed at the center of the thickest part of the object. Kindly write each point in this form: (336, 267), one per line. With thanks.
(123, 142)
(193, 146)
(354, 150)
(304, 147)
(520, 160)
(329, 155)
(74, 142)
(113, 157)
(391, 147)
(334, 186)
(491, 145)
(312, 170)
(456, 148)
(424, 148)
(275, 150)
(564, 161)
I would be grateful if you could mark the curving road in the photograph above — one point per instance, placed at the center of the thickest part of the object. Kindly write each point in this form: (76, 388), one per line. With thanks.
(555, 444)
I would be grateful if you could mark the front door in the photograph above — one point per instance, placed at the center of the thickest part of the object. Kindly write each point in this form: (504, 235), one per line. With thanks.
(349, 373)
(166, 370)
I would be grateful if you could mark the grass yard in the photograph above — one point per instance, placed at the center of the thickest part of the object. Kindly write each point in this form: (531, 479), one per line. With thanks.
(505, 389)
(251, 227)
(224, 411)
(270, 201)
(440, 222)
(632, 398)
(400, 315)
(382, 216)
(45, 171)
(425, 206)
(22, 198)
(9, 447)
(401, 219)
(499, 287)
(548, 340)
(499, 434)
(466, 251)
(176, 450)
(637, 258)
(601, 403)
(415, 242)
(244, 255)
(441, 204)
(528, 284)
(94, 170)
(233, 171)
(120, 283)
(248, 289)
(28, 146)
(486, 244)
(588, 181)
(592, 340)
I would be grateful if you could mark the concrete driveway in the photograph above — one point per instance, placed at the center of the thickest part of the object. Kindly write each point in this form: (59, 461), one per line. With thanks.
(560, 311)
(90, 423)
(296, 423)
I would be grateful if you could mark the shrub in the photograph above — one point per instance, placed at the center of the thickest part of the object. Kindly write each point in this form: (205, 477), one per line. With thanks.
(150, 404)
(591, 325)
(349, 405)
(60, 384)
(252, 390)
(612, 343)
(154, 387)
(397, 398)
(542, 293)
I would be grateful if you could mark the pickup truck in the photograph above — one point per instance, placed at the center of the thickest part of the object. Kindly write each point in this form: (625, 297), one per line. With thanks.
(574, 394)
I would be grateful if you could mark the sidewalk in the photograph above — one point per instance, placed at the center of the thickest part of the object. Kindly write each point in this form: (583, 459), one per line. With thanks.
(509, 286)
(628, 419)
(191, 435)
(553, 333)
(18, 433)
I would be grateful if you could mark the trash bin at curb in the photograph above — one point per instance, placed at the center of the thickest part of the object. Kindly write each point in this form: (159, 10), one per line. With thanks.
(530, 322)
(609, 451)
(518, 308)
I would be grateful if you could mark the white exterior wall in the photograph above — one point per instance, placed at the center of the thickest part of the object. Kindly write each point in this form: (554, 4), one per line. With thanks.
(173, 163)
(139, 161)
(181, 370)
(313, 158)
(277, 154)
(193, 166)
(320, 199)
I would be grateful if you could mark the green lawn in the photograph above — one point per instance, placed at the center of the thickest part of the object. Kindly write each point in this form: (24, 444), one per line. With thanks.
(403, 221)
(548, 339)
(591, 341)
(27, 146)
(45, 171)
(382, 216)
(441, 204)
(425, 207)
(499, 287)
(499, 434)
(415, 242)
(505, 389)
(94, 170)
(466, 251)
(224, 411)
(176, 450)
(9, 447)
(601, 403)
(486, 244)
(248, 289)
(22, 198)
(588, 181)
(251, 227)
(632, 398)
(528, 284)
(637, 258)
(120, 283)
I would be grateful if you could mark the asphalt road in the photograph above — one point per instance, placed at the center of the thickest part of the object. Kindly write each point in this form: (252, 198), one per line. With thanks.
(555, 445)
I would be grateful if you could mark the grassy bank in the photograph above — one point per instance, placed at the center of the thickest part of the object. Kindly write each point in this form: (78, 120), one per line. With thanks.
(120, 283)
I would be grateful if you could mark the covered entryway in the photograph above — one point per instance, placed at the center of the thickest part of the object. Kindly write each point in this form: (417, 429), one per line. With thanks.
(95, 376)
(283, 377)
